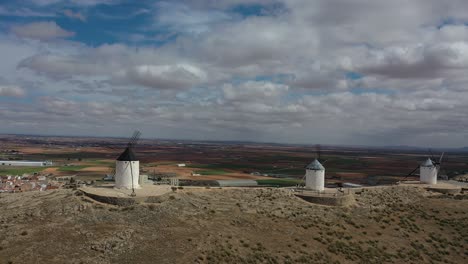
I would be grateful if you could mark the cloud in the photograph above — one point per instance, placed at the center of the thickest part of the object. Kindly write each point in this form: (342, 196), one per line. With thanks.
(74, 15)
(432, 61)
(74, 2)
(41, 31)
(58, 67)
(24, 12)
(11, 91)
(253, 91)
(270, 76)
(165, 76)
(119, 65)
(181, 18)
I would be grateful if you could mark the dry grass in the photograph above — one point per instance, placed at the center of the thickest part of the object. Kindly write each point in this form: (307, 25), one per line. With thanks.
(389, 225)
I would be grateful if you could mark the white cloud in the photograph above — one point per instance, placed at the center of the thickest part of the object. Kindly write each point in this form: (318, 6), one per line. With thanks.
(11, 91)
(41, 31)
(74, 15)
(165, 76)
(420, 61)
(181, 18)
(253, 91)
(24, 12)
(76, 2)
(272, 77)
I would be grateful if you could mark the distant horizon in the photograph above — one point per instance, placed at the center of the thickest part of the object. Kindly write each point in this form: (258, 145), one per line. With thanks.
(400, 147)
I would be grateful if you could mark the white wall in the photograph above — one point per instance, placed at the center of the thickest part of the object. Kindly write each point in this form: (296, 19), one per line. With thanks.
(123, 174)
(315, 180)
(22, 163)
(428, 174)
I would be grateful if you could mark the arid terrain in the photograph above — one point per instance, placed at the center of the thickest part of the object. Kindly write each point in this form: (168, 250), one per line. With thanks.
(211, 225)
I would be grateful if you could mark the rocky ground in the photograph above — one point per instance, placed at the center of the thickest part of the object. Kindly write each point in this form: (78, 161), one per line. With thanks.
(387, 225)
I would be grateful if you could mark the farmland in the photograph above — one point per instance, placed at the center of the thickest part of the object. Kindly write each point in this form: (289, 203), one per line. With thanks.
(92, 158)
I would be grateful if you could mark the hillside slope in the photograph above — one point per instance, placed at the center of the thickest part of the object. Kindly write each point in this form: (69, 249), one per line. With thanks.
(389, 225)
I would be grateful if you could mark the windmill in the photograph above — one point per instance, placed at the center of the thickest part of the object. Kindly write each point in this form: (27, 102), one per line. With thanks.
(314, 177)
(429, 169)
(127, 167)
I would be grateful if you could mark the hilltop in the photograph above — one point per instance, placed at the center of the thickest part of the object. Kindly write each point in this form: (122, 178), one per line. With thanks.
(387, 225)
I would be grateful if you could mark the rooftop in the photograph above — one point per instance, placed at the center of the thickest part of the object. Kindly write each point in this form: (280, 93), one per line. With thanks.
(427, 163)
(315, 165)
(127, 155)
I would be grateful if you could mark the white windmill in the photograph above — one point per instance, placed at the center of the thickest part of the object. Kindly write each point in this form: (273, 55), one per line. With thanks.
(428, 170)
(127, 167)
(315, 174)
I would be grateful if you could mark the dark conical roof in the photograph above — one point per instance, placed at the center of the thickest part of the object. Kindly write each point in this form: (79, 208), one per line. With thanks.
(127, 155)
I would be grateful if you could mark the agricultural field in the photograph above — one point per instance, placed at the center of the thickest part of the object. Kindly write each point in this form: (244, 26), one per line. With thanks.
(92, 158)
(9, 170)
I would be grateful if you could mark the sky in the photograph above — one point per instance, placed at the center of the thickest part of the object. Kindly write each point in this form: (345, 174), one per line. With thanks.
(354, 72)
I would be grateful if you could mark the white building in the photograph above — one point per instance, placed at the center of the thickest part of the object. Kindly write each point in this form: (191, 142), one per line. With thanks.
(315, 176)
(127, 171)
(181, 165)
(428, 172)
(25, 163)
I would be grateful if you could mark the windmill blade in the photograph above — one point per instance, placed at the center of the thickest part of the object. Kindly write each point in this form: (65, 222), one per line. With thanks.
(135, 138)
(133, 184)
(442, 172)
(431, 155)
(302, 184)
(132, 139)
(411, 173)
(441, 156)
(317, 151)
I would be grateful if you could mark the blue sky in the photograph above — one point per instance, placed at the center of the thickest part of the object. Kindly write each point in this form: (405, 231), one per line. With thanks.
(318, 71)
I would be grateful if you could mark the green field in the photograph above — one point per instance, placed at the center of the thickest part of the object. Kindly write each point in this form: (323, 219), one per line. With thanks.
(19, 170)
(72, 168)
(210, 172)
(229, 166)
(279, 182)
(102, 163)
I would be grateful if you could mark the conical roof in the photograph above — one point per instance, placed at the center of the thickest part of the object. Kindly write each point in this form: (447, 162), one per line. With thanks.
(427, 163)
(127, 155)
(315, 165)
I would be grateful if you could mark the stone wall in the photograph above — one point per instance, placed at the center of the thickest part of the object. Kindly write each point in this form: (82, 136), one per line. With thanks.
(327, 199)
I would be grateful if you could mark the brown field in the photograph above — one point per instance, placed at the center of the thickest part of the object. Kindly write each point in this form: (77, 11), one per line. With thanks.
(94, 157)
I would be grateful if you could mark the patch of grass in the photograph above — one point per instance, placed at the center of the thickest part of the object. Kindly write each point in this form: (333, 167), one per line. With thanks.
(102, 162)
(279, 182)
(19, 170)
(210, 172)
(155, 164)
(229, 166)
(72, 168)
